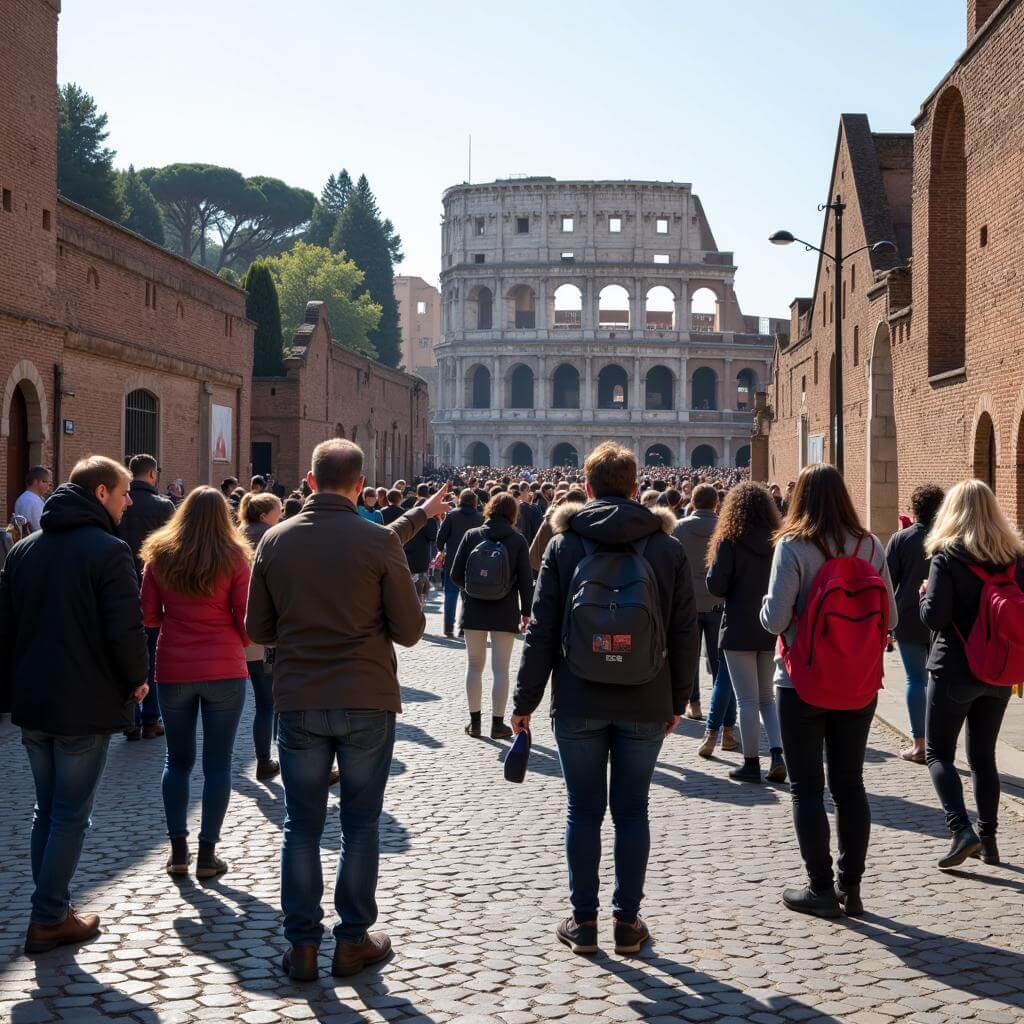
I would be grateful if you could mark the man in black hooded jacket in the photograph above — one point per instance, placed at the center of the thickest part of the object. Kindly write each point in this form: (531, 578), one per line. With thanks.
(597, 722)
(73, 663)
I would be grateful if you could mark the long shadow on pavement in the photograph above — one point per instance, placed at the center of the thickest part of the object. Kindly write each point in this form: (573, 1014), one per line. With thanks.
(90, 1000)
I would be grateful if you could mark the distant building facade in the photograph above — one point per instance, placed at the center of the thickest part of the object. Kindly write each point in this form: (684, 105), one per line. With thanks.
(419, 309)
(933, 381)
(566, 320)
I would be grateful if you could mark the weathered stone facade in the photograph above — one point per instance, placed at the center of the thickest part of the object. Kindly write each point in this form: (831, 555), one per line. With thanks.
(107, 342)
(941, 338)
(566, 319)
(329, 391)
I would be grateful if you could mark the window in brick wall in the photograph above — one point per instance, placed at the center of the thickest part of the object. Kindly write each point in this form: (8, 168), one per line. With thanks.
(853, 277)
(46, 220)
(803, 387)
(140, 424)
(661, 225)
(91, 277)
(983, 236)
(815, 367)
(7, 202)
(421, 307)
(856, 345)
(150, 295)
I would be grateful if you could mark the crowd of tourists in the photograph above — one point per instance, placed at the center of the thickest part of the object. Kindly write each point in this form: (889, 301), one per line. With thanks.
(123, 611)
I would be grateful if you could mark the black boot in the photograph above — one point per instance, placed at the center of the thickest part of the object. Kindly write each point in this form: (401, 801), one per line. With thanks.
(965, 844)
(989, 852)
(473, 729)
(499, 730)
(749, 771)
(849, 899)
(777, 771)
(807, 901)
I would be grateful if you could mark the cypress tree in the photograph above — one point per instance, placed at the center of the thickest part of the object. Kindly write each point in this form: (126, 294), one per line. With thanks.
(333, 198)
(362, 236)
(261, 306)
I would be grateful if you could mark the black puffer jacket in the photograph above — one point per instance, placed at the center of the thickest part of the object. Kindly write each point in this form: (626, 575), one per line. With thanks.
(502, 616)
(147, 512)
(609, 522)
(950, 604)
(739, 574)
(72, 646)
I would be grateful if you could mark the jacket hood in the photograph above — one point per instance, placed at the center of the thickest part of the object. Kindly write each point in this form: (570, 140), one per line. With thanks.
(613, 520)
(71, 507)
(759, 542)
(498, 528)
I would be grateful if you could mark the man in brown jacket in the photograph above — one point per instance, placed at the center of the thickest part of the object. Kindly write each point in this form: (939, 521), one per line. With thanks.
(332, 592)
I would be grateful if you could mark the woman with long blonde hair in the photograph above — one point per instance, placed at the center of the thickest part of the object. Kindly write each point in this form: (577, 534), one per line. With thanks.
(969, 540)
(194, 588)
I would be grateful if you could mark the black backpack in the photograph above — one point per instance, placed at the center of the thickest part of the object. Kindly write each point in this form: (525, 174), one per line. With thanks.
(612, 631)
(488, 571)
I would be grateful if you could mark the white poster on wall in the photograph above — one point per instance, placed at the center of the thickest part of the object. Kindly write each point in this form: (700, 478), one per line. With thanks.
(220, 433)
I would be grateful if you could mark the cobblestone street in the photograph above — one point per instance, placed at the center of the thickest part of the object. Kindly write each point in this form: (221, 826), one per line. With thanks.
(473, 883)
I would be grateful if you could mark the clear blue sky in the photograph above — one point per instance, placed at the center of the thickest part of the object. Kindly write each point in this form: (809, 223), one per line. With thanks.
(739, 97)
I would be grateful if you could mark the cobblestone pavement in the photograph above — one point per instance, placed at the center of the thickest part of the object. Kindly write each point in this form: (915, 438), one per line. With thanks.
(473, 883)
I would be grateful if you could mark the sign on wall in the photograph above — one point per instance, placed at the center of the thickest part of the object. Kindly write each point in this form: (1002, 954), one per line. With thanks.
(220, 433)
(815, 449)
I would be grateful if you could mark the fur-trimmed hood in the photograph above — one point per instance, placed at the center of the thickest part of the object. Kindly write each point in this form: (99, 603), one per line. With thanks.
(612, 520)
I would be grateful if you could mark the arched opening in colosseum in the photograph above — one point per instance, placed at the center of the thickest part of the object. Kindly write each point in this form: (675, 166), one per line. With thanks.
(565, 454)
(743, 456)
(658, 388)
(520, 387)
(519, 454)
(568, 308)
(613, 308)
(478, 388)
(478, 454)
(985, 450)
(704, 389)
(612, 388)
(479, 309)
(565, 387)
(658, 455)
(522, 302)
(703, 456)
(882, 469)
(746, 388)
(660, 309)
(704, 311)
(947, 236)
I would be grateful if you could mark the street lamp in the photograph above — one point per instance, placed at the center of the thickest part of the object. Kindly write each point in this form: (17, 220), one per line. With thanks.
(882, 248)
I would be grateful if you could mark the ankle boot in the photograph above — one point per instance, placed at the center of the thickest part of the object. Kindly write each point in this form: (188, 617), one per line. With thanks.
(729, 741)
(749, 771)
(989, 852)
(707, 748)
(965, 844)
(777, 771)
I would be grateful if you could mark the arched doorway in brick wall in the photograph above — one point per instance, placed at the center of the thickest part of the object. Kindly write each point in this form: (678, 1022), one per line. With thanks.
(882, 463)
(985, 450)
(23, 432)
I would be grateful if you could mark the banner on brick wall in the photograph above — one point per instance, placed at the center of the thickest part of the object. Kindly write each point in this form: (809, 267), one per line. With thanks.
(220, 433)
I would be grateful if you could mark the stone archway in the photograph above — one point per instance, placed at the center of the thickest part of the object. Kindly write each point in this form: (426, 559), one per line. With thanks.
(882, 470)
(23, 426)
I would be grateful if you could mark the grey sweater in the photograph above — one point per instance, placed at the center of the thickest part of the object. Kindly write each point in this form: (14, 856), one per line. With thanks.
(794, 566)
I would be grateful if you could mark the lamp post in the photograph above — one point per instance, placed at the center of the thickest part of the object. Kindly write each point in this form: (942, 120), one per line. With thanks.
(885, 247)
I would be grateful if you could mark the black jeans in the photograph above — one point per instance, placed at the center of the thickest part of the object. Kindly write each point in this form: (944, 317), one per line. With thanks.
(981, 707)
(708, 625)
(808, 731)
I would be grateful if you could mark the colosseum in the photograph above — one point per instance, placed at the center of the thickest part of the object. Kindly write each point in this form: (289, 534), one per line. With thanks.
(578, 311)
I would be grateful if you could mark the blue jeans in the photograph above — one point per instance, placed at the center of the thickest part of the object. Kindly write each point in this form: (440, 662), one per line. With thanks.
(147, 712)
(708, 626)
(723, 700)
(915, 660)
(262, 679)
(220, 704)
(451, 601)
(585, 747)
(67, 772)
(308, 742)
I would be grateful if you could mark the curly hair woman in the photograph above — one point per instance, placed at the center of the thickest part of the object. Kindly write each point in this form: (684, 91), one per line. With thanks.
(739, 566)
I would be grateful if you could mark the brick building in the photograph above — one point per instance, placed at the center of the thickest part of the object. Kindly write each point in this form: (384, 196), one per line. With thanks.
(419, 309)
(934, 340)
(329, 391)
(108, 343)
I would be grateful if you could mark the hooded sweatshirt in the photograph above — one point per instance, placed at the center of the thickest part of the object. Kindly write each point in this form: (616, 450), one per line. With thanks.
(612, 523)
(72, 646)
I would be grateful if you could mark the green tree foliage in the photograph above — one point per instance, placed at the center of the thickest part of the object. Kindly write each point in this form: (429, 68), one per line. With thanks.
(85, 167)
(370, 243)
(332, 201)
(141, 213)
(309, 272)
(247, 217)
(227, 274)
(262, 307)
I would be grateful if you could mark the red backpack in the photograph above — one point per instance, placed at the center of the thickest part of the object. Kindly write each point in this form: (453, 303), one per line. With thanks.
(995, 645)
(836, 659)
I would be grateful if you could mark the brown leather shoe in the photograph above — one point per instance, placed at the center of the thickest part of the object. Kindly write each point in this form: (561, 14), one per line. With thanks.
(75, 928)
(350, 958)
(299, 963)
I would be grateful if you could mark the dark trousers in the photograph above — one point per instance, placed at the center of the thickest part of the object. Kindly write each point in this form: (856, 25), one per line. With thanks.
(262, 679)
(981, 708)
(147, 712)
(708, 625)
(807, 733)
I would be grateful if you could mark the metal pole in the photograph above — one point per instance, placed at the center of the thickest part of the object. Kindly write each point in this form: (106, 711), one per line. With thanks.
(837, 209)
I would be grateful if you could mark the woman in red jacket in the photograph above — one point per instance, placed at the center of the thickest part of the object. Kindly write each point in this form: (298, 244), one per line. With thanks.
(194, 589)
